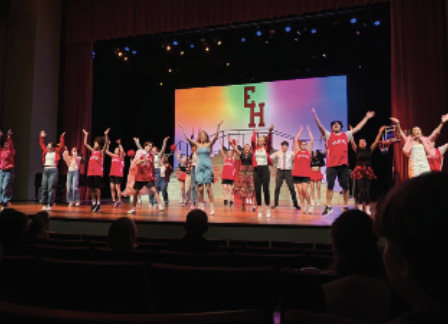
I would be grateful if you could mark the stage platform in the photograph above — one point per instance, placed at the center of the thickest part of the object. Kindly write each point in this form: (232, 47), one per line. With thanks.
(285, 223)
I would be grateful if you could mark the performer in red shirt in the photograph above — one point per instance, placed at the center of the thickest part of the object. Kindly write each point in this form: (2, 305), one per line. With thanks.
(7, 153)
(302, 169)
(228, 175)
(337, 157)
(436, 161)
(116, 172)
(95, 169)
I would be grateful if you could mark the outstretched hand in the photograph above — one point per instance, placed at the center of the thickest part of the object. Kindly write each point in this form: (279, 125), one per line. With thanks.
(370, 114)
(181, 126)
(107, 131)
(43, 134)
(350, 127)
(84, 131)
(63, 134)
(9, 132)
(444, 118)
(395, 120)
(271, 127)
(220, 123)
(382, 128)
(166, 139)
(119, 141)
(313, 110)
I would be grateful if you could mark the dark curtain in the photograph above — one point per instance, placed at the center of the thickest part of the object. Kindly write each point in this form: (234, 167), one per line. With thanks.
(419, 70)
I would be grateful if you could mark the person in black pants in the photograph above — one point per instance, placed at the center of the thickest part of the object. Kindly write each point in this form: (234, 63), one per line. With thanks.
(284, 172)
(363, 173)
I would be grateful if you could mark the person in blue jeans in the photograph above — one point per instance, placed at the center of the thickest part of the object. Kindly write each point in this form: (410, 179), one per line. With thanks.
(157, 165)
(165, 171)
(73, 162)
(51, 154)
(7, 153)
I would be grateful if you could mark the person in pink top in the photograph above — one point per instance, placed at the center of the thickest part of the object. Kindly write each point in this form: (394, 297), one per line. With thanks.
(337, 157)
(228, 175)
(51, 154)
(74, 163)
(418, 147)
(116, 172)
(95, 168)
(301, 174)
(7, 153)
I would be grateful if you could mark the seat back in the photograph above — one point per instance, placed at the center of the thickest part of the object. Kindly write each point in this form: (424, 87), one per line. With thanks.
(17, 250)
(98, 244)
(62, 242)
(291, 244)
(267, 250)
(66, 253)
(250, 243)
(322, 262)
(153, 247)
(323, 246)
(304, 317)
(231, 249)
(89, 237)
(159, 240)
(196, 260)
(106, 254)
(117, 287)
(276, 261)
(64, 236)
(218, 242)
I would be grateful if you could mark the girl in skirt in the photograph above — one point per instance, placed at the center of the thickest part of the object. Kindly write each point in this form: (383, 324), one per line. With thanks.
(185, 170)
(316, 177)
(228, 175)
(116, 173)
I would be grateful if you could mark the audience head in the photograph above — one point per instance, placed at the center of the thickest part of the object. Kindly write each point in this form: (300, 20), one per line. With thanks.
(196, 223)
(123, 235)
(14, 227)
(39, 225)
(413, 220)
(355, 245)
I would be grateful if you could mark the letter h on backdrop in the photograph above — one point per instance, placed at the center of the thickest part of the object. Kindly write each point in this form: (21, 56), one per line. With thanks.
(252, 106)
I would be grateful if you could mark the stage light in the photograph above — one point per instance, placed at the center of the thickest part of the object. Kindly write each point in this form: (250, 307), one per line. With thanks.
(324, 55)
(192, 46)
(175, 43)
(168, 48)
(134, 52)
(267, 42)
(377, 23)
(272, 31)
(228, 64)
(259, 33)
(93, 53)
(169, 70)
(219, 43)
(161, 83)
(353, 20)
(359, 66)
(313, 31)
(307, 70)
(125, 58)
(287, 29)
(207, 49)
(181, 53)
(243, 39)
(120, 54)
(126, 48)
(358, 33)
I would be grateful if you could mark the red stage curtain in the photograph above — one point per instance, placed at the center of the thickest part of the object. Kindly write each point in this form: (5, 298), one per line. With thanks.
(419, 69)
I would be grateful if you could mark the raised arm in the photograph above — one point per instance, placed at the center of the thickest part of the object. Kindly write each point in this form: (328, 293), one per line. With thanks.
(310, 146)
(400, 131)
(42, 140)
(191, 141)
(137, 143)
(66, 157)
(107, 150)
(178, 156)
(10, 143)
(162, 151)
(122, 154)
(234, 146)
(438, 129)
(62, 143)
(378, 137)
(216, 134)
(319, 125)
(106, 141)
(253, 140)
(368, 116)
(296, 140)
(269, 139)
(86, 134)
(222, 150)
(352, 141)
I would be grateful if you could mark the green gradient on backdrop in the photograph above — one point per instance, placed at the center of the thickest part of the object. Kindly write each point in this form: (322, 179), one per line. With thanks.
(234, 97)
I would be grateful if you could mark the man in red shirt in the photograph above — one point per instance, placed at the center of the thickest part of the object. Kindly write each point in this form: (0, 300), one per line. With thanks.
(7, 153)
(337, 157)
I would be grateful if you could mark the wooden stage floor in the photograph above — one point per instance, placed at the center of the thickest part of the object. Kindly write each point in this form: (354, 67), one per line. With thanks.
(284, 215)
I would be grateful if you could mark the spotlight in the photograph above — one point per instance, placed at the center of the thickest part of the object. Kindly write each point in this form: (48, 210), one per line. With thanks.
(192, 46)
(161, 83)
(219, 43)
(358, 33)
(377, 23)
(169, 70)
(307, 70)
(296, 39)
(324, 55)
(259, 33)
(313, 31)
(93, 53)
(243, 39)
(126, 48)
(181, 53)
(353, 20)
(228, 64)
(125, 58)
(134, 52)
(359, 66)
(298, 32)
(168, 48)
(272, 31)
(266, 42)
(287, 29)
(175, 43)
(120, 54)
(207, 49)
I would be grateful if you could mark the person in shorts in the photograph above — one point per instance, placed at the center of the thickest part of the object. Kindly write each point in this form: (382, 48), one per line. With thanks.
(116, 173)
(228, 175)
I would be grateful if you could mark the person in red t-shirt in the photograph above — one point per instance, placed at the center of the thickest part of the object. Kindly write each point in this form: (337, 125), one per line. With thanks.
(116, 172)
(436, 161)
(337, 157)
(228, 174)
(302, 169)
(95, 169)
(7, 153)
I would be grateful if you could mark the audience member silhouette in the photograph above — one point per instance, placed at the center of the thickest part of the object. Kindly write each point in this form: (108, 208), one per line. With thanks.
(40, 225)
(14, 227)
(123, 235)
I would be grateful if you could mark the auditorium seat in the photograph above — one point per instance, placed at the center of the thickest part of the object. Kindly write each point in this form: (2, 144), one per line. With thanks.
(98, 244)
(250, 243)
(105, 254)
(323, 246)
(18, 314)
(64, 236)
(306, 318)
(230, 249)
(267, 250)
(62, 242)
(310, 252)
(189, 289)
(159, 240)
(218, 242)
(64, 253)
(88, 237)
(301, 289)
(18, 278)
(154, 247)
(142, 240)
(322, 262)
(17, 250)
(196, 260)
(116, 287)
(291, 244)
(276, 261)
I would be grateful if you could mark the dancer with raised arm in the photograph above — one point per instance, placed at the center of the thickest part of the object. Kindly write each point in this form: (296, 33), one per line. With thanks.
(51, 154)
(261, 161)
(73, 162)
(337, 158)
(204, 170)
(157, 162)
(145, 175)
(436, 161)
(228, 175)
(116, 173)
(302, 169)
(184, 177)
(95, 168)
(7, 174)
(418, 147)
(363, 173)
(284, 172)
(316, 177)
(165, 171)
(244, 184)
(194, 159)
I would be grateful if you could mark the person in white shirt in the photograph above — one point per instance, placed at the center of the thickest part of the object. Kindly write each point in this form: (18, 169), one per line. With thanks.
(73, 161)
(284, 172)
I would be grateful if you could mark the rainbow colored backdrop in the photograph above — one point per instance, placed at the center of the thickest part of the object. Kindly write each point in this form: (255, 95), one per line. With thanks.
(287, 105)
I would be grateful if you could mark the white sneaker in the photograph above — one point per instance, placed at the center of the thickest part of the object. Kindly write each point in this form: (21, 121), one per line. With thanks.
(192, 207)
(161, 207)
(260, 212)
(318, 203)
(201, 206)
(212, 209)
(312, 203)
(44, 208)
(368, 210)
(310, 209)
(268, 213)
(49, 208)
(71, 204)
(78, 203)
(132, 211)
(155, 206)
(140, 201)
